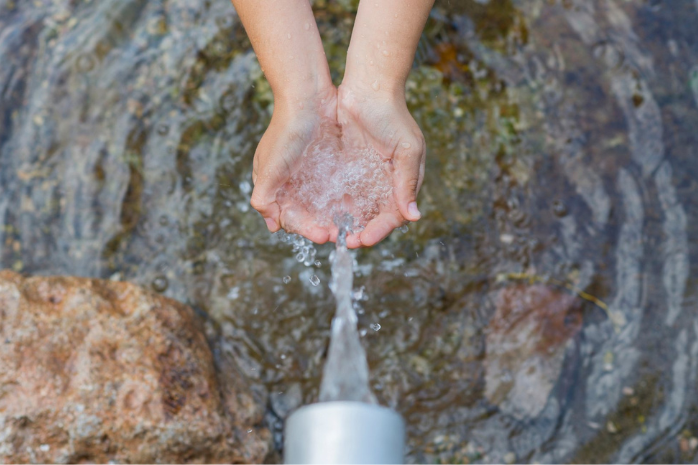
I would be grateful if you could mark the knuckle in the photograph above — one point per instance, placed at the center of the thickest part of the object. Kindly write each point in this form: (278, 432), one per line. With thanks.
(257, 202)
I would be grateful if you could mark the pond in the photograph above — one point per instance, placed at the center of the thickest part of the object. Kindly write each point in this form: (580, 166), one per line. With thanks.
(544, 308)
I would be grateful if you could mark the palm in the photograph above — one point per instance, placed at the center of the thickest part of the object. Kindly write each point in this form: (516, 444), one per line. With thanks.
(279, 155)
(388, 127)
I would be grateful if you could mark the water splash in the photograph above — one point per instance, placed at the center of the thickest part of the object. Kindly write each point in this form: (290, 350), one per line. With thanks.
(346, 370)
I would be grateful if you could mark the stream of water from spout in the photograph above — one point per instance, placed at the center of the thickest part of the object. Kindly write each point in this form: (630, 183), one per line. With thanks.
(346, 370)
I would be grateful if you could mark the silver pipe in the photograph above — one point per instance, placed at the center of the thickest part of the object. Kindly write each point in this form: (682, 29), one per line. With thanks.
(344, 432)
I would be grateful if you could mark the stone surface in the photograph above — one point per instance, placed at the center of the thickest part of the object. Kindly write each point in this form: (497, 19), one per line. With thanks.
(99, 371)
(526, 344)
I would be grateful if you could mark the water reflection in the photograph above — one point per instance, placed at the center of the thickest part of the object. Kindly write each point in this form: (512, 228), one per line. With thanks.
(561, 147)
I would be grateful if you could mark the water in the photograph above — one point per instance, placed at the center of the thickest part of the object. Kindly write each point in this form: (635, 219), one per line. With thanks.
(561, 167)
(345, 376)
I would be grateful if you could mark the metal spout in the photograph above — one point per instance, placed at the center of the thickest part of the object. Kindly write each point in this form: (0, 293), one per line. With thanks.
(344, 432)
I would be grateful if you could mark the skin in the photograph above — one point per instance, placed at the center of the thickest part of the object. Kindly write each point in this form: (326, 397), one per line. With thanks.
(369, 105)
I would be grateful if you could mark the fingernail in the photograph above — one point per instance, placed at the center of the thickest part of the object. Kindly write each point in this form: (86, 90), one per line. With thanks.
(413, 210)
(271, 224)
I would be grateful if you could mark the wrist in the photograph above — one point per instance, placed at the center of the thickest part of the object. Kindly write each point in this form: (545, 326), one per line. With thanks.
(374, 72)
(308, 89)
(362, 88)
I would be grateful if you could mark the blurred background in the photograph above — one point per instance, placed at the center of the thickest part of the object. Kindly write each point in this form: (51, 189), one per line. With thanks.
(544, 308)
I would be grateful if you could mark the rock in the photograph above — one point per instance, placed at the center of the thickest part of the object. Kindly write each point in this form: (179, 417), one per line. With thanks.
(526, 346)
(103, 371)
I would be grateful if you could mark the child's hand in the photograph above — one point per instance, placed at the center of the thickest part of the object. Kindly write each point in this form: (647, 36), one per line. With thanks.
(381, 120)
(294, 126)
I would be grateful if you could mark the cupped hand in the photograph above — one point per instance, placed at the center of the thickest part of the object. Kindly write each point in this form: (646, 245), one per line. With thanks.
(295, 124)
(378, 120)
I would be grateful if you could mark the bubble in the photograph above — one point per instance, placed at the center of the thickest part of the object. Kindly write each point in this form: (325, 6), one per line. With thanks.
(317, 263)
(375, 326)
(160, 284)
(314, 280)
(287, 279)
(362, 332)
(376, 85)
(300, 257)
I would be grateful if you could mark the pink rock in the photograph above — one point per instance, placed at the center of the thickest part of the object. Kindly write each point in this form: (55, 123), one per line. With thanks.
(99, 371)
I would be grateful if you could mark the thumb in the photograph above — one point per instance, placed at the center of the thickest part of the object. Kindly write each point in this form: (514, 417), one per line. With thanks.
(408, 162)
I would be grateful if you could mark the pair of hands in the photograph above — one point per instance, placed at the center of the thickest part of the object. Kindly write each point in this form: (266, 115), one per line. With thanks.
(366, 117)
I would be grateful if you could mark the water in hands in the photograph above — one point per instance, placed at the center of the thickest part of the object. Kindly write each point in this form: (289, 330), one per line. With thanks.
(333, 178)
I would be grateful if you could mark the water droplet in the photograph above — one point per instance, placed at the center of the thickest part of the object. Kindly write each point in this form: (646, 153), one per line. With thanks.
(287, 279)
(307, 26)
(375, 326)
(85, 63)
(288, 36)
(406, 145)
(301, 105)
(160, 284)
(300, 257)
(163, 129)
(386, 53)
(376, 85)
(403, 229)
(362, 332)
(314, 280)
(370, 62)
(317, 263)
(396, 15)
(559, 208)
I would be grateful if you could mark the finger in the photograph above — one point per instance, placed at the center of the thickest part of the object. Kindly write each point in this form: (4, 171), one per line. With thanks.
(408, 163)
(354, 241)
(298, 221)
(379, 228)
(267, 179)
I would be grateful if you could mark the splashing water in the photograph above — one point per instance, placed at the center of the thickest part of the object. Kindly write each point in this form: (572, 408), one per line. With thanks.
(346, 371)
(333, 179)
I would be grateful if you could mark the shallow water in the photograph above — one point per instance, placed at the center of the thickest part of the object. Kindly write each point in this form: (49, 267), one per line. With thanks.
(544, 308)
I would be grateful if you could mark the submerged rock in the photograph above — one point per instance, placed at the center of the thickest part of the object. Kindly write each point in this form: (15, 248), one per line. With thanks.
(526, 346)
(100, 371)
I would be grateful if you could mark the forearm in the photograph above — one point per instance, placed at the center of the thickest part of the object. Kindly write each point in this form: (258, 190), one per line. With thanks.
(383, 44)
(288, 46)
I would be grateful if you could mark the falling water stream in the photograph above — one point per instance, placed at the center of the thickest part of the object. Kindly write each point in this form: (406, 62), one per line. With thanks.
(345, 376)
